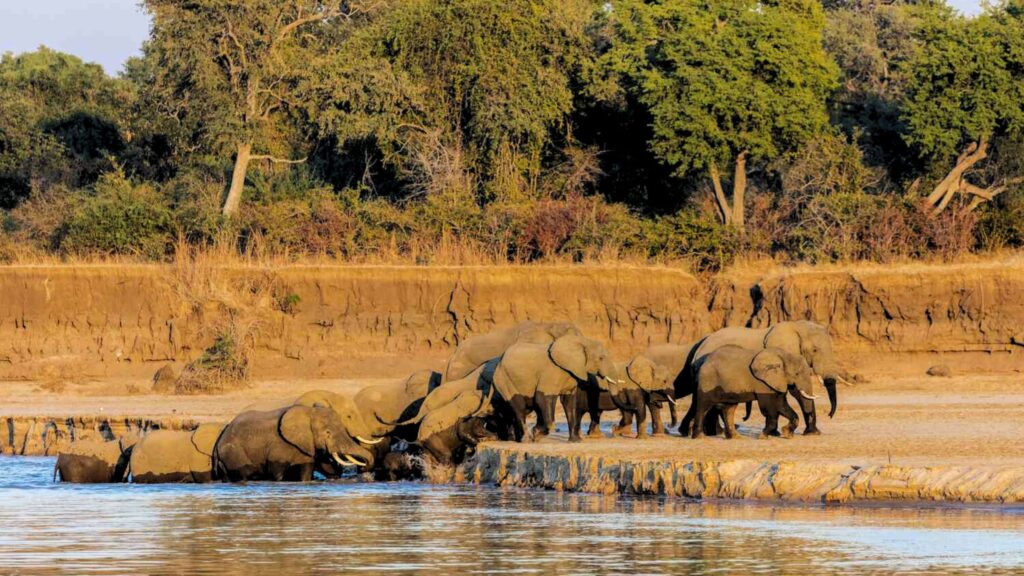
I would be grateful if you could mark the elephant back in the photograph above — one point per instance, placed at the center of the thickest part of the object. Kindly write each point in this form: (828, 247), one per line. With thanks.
(468, 404)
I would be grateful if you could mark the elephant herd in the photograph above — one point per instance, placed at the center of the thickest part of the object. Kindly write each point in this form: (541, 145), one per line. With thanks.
(490, 386)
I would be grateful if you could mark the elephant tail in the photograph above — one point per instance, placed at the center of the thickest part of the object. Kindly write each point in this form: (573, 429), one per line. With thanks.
(749, 406)
(56, 469)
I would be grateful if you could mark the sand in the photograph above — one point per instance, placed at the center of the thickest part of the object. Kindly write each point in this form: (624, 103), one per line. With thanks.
(907, 421)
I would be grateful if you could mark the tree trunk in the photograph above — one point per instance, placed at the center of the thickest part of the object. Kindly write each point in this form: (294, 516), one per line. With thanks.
(234, 198)
(724, 212)
(944, 192)
(739, 190)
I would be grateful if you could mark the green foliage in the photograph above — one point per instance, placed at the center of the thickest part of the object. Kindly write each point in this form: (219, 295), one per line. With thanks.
(119, 218)
(725, 78)
(60, 122)
(965, 81)
(473, 131)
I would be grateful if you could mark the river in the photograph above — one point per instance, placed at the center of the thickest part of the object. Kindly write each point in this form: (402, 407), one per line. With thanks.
(419, 528)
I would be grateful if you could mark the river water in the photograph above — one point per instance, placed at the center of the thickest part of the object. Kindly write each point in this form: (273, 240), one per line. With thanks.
(417, 528)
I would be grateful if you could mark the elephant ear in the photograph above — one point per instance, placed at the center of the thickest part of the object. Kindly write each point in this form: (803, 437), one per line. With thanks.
(785, 336)
(769, 368)
(296, 427)
(570, 354)
(205, 438)
(642, 371)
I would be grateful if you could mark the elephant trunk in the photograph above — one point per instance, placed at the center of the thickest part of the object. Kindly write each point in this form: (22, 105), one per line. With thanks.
(830, 387)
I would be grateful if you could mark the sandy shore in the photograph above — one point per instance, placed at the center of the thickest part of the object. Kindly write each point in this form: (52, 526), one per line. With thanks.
(910, 421)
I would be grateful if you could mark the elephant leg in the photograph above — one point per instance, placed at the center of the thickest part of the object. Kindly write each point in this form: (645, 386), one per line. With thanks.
(699, 410)
(673, 412)
(686, 425)
(768, 405)
(519, 408)
(729, 415)
(641, 421)
(657, 426)
(545, 409)
(810, 416)
(790, 415)
(594, 409)
(573, 417)
(711, 421)
(625, 423)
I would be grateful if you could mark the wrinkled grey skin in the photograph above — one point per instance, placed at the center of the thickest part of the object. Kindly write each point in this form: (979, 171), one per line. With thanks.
(476, 351)
(732, 375)
(175, 456)
(807, 339)
(533, 377)
(286, 444)
(94, 461)
(396, 401)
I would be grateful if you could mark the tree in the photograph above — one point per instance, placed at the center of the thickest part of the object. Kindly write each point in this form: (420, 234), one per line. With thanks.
(965, 93)
(487, 85)
(231, 69)
(60, 122)
(734, 82)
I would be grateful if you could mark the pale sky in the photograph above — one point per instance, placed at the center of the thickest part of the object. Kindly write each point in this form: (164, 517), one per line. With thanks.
(108, 31)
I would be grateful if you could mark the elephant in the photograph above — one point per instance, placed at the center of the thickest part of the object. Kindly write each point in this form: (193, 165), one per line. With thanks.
(534, 376)
(732, 375)
(475, 351)
(807, 339)
(286, 444)
(456, 416)
(95, 461)
(672, 358)
(451, 433)
(395, 401)
(645, 385)
(175, 456)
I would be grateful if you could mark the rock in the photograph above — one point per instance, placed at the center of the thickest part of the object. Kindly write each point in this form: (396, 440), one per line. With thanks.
(164, 379)
(940, 371)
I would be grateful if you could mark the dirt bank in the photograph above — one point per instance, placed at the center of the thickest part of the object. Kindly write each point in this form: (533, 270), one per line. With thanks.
(100, 322)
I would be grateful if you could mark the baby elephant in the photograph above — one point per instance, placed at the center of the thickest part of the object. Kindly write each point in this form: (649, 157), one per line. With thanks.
(732, 375)
(94, 461)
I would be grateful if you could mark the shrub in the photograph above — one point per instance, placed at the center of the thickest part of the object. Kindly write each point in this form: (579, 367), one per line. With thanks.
(223, 366)
(119, 218)
(695, 236)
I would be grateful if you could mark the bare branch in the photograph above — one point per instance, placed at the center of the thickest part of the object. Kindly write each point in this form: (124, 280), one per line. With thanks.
(273, 160)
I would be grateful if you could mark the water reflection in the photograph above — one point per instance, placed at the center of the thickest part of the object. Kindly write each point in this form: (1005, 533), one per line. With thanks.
(412, 528)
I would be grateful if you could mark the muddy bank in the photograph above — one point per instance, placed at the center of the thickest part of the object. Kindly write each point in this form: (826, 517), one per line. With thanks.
(741, 479)
(68, 322)
(47, 436)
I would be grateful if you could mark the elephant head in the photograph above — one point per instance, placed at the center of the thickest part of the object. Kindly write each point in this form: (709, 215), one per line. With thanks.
(585, 359)
(780, 371)
(650, 376)
(348, 412)
(448, 431)
(319, 432)
(813, 343)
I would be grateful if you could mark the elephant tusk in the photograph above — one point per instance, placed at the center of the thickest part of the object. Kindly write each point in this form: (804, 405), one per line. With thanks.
(806, 395)
(612, 380)
(338, 458)
(844, 381)
(353, 460)
(369, 442)
(670, 399)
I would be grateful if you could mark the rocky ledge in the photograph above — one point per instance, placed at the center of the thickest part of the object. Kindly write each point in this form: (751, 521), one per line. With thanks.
(741, 479)
(46, 435)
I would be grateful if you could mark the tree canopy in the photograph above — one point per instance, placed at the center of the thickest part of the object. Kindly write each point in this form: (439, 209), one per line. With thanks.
(526, 130)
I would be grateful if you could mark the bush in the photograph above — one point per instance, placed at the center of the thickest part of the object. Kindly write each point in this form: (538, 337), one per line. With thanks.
(697, 237)
(119, 218)
(223, 366)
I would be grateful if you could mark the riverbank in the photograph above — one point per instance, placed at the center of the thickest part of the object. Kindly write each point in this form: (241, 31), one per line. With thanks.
(917, 439)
